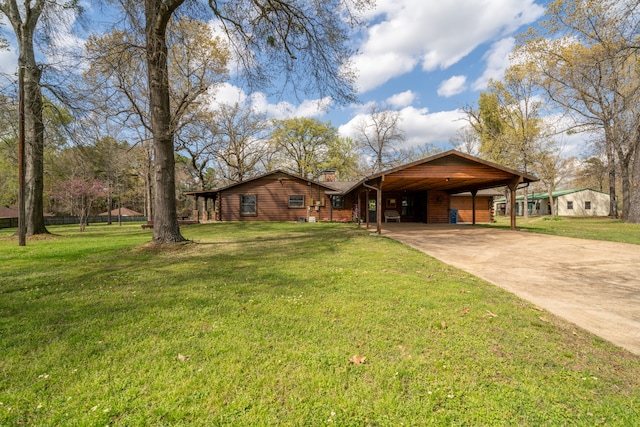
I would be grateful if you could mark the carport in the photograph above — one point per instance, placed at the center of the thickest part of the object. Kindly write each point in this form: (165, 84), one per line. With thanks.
(438, 177)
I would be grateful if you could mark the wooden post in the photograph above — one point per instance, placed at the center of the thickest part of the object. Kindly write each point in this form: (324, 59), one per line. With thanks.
(366, 207)
(473, 206)
(379, 207)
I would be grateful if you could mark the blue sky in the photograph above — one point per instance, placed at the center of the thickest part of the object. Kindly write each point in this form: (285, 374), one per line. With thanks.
(423, 58)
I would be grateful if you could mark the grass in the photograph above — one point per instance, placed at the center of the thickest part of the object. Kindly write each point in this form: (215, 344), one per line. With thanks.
(284, 324)
(612, 230)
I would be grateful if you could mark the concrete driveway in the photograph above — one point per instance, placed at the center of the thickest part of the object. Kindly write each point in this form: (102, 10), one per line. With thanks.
(593, 284)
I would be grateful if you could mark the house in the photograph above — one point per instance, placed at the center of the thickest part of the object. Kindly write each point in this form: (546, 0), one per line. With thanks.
(274, 196)
(576, 202)
(421, 191)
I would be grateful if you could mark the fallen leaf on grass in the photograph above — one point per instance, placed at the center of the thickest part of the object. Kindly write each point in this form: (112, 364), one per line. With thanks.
(443, 324)
(491, 314)
(544, 319)
(182, 357)
(535, 307)
(357, 359)
(465, 311)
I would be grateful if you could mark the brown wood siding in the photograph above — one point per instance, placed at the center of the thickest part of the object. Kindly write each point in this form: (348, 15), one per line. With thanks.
(438, 207)
(273, 193)
(464, 205)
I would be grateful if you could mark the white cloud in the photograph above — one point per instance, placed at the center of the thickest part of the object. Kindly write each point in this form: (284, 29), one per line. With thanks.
(436, 33)
(8, 62)
(229, 94)
(497, 58)
(452, 86)
(402, 99)
(420, 126)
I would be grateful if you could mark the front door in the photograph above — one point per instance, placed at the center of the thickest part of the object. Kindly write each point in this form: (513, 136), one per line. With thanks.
(371, 208)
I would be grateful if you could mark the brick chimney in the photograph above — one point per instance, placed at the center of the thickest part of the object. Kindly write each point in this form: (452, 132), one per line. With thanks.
(329, 175)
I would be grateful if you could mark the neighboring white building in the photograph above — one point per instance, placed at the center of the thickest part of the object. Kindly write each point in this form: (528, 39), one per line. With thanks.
(580, 202)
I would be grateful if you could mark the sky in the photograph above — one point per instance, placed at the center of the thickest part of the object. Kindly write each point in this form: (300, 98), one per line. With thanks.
(424, 58)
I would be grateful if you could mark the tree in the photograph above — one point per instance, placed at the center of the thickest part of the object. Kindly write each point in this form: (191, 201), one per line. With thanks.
(8, 151)
(196, 61)
(508, 121)
(379, 134)
(466, 140)
(587, 62)
(551, 167)
(77, 196)
(592, 173)
(275, 41)
(302, 144)
(240, 135)
(342, 156)
(24, 19)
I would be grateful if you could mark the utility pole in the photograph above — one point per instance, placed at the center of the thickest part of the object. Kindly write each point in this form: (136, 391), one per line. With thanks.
(22, 235)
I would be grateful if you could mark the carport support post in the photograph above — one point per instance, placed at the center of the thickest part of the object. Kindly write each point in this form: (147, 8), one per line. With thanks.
(512, 188)
(473, 206)
(379, 203)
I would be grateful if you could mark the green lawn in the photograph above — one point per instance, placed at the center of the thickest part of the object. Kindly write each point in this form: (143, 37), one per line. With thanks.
(284, 324)
(613, 230)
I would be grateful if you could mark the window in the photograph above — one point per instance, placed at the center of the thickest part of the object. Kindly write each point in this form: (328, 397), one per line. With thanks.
(337, 202)
(296, 201)
(248, 204)
(587, 205)
(570, 205)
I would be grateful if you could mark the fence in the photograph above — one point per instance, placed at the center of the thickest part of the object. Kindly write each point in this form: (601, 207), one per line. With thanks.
(64, 220)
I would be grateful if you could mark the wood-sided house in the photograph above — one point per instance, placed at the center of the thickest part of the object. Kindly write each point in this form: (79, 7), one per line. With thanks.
(421, 191)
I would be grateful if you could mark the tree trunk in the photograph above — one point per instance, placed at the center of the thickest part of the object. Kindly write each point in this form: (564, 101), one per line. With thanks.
(552, 205)
(633, 215)
(33, 124)
(611, 164)
(165, 227)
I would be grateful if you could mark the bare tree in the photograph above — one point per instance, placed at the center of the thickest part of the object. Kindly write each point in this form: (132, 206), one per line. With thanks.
(466, 141)
(241, 145)
(379, 134)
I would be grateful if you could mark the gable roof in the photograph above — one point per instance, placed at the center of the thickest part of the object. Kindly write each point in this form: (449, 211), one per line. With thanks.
(329, 186)
(450, 171)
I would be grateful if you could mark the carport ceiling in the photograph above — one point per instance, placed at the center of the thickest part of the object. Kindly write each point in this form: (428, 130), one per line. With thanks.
(452, 172)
